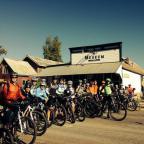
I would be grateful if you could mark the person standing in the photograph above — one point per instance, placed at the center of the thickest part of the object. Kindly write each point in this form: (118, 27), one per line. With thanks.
(107, 94)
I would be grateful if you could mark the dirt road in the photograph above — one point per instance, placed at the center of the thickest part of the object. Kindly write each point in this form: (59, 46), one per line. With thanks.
(98, 131)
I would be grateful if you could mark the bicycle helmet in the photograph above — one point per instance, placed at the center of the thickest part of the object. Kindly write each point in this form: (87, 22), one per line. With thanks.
(34, 78)
(70, 82)
(43, 83)
(108, 80)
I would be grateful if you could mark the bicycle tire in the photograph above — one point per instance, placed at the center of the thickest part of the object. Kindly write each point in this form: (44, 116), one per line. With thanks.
(40, 121)
(132, 105)
(116, 109)
(6, 136)
(89, 109)
(79, 112)
(29, 129)
(71, 116)
(60, 119)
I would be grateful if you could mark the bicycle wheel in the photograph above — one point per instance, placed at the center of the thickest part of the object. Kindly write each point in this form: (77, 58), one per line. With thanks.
(5, 136)
(90, 109)
(71, 116)
(24, 131)
(79, 112)
(60, 115)
(132, 105)
(117, 111)
(40, 121)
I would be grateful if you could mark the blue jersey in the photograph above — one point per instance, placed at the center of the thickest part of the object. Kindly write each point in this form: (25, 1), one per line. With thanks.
(41, 93)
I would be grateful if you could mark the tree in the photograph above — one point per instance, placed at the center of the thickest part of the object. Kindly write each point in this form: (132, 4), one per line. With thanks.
(52, 49)
(3, 50)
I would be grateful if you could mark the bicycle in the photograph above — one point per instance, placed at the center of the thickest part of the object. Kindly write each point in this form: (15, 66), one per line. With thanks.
(39, 119)
(23, 128)
(56, 111)
(5, 135)
(116, 110)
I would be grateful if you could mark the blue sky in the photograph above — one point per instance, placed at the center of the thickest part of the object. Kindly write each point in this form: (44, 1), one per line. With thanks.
(25, 24)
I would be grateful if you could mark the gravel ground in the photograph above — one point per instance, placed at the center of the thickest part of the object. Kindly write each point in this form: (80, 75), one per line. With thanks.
(98, 131)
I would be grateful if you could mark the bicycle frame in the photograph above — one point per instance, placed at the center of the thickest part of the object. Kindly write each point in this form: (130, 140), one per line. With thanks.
(21, 114)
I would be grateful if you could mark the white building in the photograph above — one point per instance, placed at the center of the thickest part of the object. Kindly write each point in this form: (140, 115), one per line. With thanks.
(99, 62)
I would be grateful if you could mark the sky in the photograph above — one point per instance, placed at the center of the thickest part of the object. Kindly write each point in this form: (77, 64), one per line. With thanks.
(25, 25)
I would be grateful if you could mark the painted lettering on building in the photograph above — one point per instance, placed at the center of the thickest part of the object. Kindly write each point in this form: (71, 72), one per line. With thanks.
(94, 57)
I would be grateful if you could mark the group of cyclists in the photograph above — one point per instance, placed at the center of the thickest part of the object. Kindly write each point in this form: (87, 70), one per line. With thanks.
(94, 97)
(39, 88)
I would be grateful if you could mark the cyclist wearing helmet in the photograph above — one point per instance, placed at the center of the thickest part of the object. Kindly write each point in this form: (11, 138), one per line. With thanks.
(26, 91)
(11, 90)
(41, 92)
(61, 88)
(80, 88)
(101, 88)
(87, 88)
(33, 86)
(93, 87)
(69, 90)
(107, 94)
(53, 86)
(107, 89)
(12, 93)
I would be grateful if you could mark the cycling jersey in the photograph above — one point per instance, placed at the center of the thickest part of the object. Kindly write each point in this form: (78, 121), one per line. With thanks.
(93, 89)
(61, 88)
(69, 91)
(33, 90)
(108, 90)
(12, 92)
(41, 93)
(80, 89)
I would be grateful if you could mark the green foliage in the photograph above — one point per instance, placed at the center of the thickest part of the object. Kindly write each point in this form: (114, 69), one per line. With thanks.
(3, 50)
(52, 49)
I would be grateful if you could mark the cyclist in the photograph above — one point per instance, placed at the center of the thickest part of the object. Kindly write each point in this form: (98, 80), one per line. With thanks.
(87, 88)
(53, 86)
(69, 91)
(47, 88)
(84, 82)
(130, 91)
(33, 86)
(12, 93)
(107, 94)
(26, 91)
(80, 88)
(61, 88)
(101, 89)
(93, 87)
(41, 92)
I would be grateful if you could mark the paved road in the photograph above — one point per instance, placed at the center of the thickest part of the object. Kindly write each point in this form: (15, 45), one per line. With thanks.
(98, 131)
